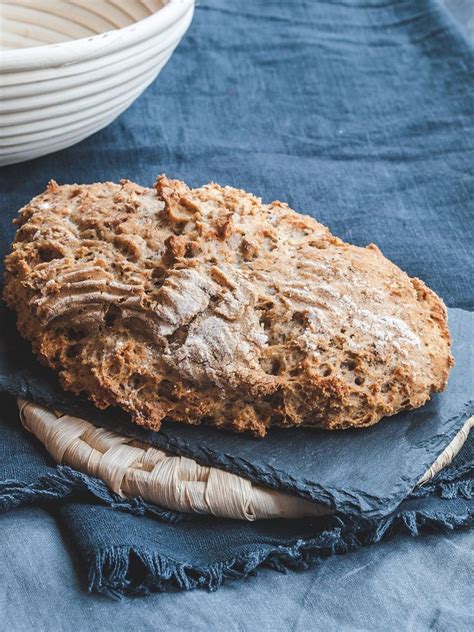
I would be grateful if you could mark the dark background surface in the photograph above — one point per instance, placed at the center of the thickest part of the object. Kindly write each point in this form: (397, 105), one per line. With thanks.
(374, 192)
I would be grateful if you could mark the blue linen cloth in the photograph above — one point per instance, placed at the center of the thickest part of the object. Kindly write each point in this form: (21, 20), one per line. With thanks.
(356, 113)
(402, 585)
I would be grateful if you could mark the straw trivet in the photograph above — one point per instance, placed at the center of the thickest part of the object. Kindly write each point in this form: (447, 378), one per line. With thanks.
(133, 468)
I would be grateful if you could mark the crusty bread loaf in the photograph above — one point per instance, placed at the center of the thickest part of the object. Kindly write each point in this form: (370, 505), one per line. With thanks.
(207, 305)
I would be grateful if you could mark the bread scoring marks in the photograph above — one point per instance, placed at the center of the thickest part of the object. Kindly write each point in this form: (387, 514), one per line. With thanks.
(206, 304)
(224, 342)
(184, 294)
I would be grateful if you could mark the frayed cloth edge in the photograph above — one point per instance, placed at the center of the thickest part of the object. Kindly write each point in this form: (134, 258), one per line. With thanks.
(127, 571)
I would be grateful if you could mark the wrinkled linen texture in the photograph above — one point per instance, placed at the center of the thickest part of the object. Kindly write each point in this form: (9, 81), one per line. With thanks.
(358, 113)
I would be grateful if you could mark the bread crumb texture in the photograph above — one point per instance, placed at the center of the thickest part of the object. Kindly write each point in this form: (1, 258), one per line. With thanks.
(207, 306)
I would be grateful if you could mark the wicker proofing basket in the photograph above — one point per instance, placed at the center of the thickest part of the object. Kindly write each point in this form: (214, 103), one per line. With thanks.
(132, 468)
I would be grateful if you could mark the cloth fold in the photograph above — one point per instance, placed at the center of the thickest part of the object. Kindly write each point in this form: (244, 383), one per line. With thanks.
(355, 112)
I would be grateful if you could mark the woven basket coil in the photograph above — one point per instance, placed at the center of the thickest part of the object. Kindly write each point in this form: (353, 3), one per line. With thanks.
(133, 468)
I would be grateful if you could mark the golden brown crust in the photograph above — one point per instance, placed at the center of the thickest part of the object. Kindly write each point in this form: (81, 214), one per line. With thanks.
(207, 305)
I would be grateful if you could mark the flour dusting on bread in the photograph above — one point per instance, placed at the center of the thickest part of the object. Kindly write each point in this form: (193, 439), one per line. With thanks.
(207, 305)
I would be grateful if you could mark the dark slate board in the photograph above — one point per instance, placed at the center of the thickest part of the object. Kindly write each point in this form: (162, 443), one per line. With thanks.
(367, 471)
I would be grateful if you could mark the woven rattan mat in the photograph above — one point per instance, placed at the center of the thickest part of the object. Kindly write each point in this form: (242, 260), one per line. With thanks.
(133, 468)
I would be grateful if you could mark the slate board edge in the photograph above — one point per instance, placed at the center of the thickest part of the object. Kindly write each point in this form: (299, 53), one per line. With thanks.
(357, 502)
(270, 477)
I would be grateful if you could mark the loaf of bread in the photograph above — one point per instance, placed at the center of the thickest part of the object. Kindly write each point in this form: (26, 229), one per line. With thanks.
(207, 306)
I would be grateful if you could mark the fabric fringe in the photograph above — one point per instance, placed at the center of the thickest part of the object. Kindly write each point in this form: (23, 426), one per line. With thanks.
(132, 571)
(446, 489)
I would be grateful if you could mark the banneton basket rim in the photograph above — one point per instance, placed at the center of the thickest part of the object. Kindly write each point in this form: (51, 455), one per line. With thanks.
(133, 468)
(100, 45)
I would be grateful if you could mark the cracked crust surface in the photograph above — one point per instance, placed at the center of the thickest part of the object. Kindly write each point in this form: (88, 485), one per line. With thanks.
(206, 305)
